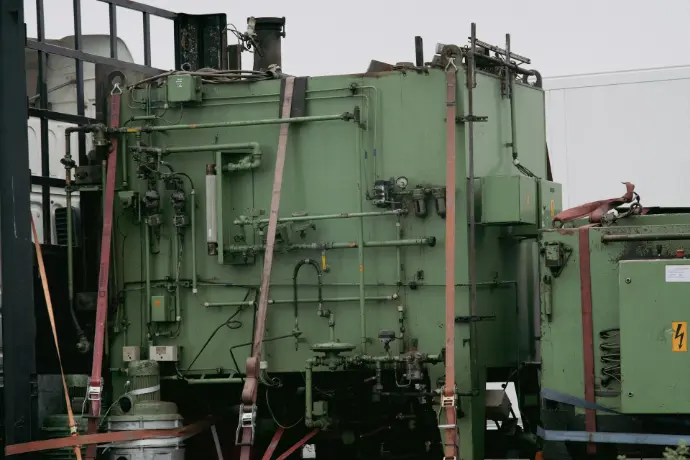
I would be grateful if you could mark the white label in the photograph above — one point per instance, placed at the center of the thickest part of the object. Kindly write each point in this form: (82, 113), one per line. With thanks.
(309, 451)
(678, 273)
(163, 353)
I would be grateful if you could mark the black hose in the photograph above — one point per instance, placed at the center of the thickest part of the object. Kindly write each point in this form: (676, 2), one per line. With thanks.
(295, 272)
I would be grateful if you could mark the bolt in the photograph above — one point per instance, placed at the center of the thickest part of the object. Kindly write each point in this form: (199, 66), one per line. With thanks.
(630, 394)
(628, 281)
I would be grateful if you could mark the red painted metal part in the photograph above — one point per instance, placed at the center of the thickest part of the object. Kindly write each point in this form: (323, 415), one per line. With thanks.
(274, 444)
(299, 444)
(104, 438)
(103, 277)
(587, 330)
(251, 384)
(451, 435)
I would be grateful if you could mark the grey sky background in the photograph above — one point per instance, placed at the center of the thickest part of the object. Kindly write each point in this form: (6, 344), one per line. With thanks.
(327, 37)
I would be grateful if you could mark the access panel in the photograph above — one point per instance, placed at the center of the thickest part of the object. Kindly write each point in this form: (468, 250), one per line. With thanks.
(654, 305)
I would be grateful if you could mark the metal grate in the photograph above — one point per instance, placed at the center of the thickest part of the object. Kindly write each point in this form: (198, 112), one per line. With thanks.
(61, 226)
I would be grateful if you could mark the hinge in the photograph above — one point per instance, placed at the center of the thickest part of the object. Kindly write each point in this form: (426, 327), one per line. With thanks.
(474, 118)
(474, 318)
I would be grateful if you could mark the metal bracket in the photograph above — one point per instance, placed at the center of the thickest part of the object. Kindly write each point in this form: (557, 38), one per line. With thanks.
(473, 318)
(556, 255)
(473, 118)
(247, 420)
(448, 401)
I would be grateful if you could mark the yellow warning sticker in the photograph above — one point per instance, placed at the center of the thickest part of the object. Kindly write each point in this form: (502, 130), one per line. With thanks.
(680, 335)
(553, 208)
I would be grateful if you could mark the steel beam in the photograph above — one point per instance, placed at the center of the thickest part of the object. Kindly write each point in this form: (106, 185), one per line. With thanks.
(16, 252)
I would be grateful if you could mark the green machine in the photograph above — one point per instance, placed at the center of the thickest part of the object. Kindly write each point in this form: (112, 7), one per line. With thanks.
(614, 283)
(353, 326)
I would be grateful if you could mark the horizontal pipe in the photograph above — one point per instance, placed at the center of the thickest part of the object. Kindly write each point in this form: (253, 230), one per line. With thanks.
(214, 381)
(233, 124)
(380, 298)
(424, 241)
(243, 303)
(197, 148)
(342, 215)
(645, 237)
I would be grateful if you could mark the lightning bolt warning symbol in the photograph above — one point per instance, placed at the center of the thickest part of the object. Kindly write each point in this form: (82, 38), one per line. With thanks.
(680, 330)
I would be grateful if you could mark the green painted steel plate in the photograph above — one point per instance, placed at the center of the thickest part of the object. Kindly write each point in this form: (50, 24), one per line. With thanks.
(654, 307)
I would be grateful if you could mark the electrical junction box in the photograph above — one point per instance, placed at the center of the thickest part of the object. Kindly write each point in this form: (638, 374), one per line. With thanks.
(508, 200)
(132, 353)
(654, 318)
(163, 353)
(309, 451)
(184, 88)
(160, 310)
(551, 202)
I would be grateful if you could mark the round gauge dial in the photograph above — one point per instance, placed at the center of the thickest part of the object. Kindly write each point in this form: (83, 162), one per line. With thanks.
(401, 182)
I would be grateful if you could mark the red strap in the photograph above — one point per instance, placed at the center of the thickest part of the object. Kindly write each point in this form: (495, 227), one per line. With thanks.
(104, 438)
(299, 444)
(274, 443)
(94, 392)
(451, 435)
(252, 374)
(595, 209)
(587, 331)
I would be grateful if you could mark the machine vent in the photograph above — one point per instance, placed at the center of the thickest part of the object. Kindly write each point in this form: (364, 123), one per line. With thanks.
(61, 226)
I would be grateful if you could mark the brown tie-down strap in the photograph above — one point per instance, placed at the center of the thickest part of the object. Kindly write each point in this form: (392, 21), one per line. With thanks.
(595, 209)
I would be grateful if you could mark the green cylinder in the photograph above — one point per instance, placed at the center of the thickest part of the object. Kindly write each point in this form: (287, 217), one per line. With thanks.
(144, 381)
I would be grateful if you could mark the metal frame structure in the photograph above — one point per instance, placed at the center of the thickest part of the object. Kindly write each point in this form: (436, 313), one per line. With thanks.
(19, 328)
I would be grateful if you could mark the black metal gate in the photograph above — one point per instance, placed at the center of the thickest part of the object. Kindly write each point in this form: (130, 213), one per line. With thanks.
(194, 36)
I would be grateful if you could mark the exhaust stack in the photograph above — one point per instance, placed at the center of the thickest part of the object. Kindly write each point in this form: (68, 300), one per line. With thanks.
(268, 34)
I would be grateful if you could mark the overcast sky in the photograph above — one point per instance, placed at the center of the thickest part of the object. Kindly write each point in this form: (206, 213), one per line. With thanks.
(327, 37)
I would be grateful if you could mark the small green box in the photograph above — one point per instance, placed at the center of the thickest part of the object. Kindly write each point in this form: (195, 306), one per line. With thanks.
(551, 201)
(508, 200)
(184, 88)
(160, 311)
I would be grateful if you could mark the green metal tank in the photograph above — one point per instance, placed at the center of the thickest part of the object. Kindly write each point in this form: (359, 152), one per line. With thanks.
(354, 342)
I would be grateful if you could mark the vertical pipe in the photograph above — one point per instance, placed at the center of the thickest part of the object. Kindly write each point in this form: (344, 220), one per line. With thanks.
(178, 260)
(511, 96)
(125, 165)
(147, 270)
(470, 197)
(147, 39)
(308, 416)
(68, 205)
(80, 78)
(194, 269)
(360, 246)
(45, 141)
(112, 13)
(212, 212)
(398, 252)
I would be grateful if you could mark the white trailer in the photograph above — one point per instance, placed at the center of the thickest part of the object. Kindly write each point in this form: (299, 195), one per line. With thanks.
(607, 128)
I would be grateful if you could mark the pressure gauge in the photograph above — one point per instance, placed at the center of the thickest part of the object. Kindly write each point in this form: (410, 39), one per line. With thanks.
(401, 182)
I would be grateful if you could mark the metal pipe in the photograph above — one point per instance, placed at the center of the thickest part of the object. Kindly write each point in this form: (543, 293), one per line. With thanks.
(194, 267)
(309, 421)
(214, 381)
(381, 298)
(254, 146)
(295, 296)
(178, 260)
(511, 98)
(343, 215)
(125, 166)
(211, 211)
(68, 203)
(346, 116)
(612, 238)
(398, 253)
(360, 246)
(147, 268)
(423, 241)
(239, 303)
(471, 203)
